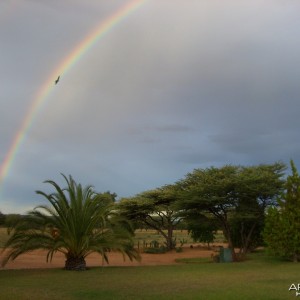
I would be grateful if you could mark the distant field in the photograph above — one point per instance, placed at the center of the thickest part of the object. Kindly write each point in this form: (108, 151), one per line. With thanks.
(258, 278)
(142, 237)
(145, 237)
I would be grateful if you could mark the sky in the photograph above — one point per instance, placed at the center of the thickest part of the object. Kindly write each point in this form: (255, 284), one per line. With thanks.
(175, 85)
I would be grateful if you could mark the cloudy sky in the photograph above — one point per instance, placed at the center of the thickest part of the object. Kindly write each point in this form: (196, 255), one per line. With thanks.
(176, 85)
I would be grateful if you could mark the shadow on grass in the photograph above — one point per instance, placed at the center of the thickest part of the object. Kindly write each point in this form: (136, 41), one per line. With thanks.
(262, 255)
(194, 260)
(257, 256)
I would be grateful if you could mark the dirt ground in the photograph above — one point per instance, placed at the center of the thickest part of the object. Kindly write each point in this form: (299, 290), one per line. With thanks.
(37, 259)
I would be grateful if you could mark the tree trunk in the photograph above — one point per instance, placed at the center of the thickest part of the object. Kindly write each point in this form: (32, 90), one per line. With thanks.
(230, 246)
(227, 233)
(75, 263)
(246, 242)
(170, 241)
(295, 258)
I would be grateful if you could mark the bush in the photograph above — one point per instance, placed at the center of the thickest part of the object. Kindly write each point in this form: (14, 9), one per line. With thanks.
(2, 219)
(159, 250)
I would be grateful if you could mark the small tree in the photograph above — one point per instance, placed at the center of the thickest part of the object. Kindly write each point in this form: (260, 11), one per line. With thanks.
(202, 228)
(154, 209)
(282, 229)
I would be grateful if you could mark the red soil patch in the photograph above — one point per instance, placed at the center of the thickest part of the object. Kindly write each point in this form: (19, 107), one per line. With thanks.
(37, 259)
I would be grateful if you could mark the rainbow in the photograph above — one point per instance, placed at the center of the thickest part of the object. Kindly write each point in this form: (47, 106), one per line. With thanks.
(75, 55)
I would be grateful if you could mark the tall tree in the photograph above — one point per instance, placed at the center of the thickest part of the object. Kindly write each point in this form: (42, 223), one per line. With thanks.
(78, 221)
(155, 209)
(282, 229)
(235, 196)
(258, 188)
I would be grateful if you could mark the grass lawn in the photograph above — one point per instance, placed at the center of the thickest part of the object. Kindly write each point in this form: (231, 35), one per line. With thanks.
(260, 277)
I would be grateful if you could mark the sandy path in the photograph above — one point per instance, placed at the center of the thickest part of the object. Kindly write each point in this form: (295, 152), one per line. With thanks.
(37, 259)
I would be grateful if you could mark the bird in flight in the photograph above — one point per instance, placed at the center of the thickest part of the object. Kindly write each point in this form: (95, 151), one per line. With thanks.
(57, 80)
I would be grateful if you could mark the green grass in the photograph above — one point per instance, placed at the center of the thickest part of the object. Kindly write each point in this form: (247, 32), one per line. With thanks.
(194, 260)
(260, 277)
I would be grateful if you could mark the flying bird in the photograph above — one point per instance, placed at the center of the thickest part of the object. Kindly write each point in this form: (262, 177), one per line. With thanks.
(57, 80)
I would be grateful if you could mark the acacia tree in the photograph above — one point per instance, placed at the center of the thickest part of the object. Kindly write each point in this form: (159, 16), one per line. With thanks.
(79, 221)
(258, 188)
(232, 193)
(155, 209)
(282, 229)
(211, 191)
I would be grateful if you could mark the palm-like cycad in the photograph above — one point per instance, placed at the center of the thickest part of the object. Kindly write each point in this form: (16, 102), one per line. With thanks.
(78, 222)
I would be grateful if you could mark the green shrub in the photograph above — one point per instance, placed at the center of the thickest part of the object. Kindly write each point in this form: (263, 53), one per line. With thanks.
(155, 250)
(154, 244)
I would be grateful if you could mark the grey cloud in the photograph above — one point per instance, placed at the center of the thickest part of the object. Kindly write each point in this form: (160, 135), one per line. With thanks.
(172, 128)
(174, 86)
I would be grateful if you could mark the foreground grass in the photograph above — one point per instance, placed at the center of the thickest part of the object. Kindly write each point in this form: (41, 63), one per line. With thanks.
(258, 278)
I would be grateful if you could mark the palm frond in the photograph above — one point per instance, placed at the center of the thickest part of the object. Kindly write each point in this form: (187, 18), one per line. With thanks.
(78, 221)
